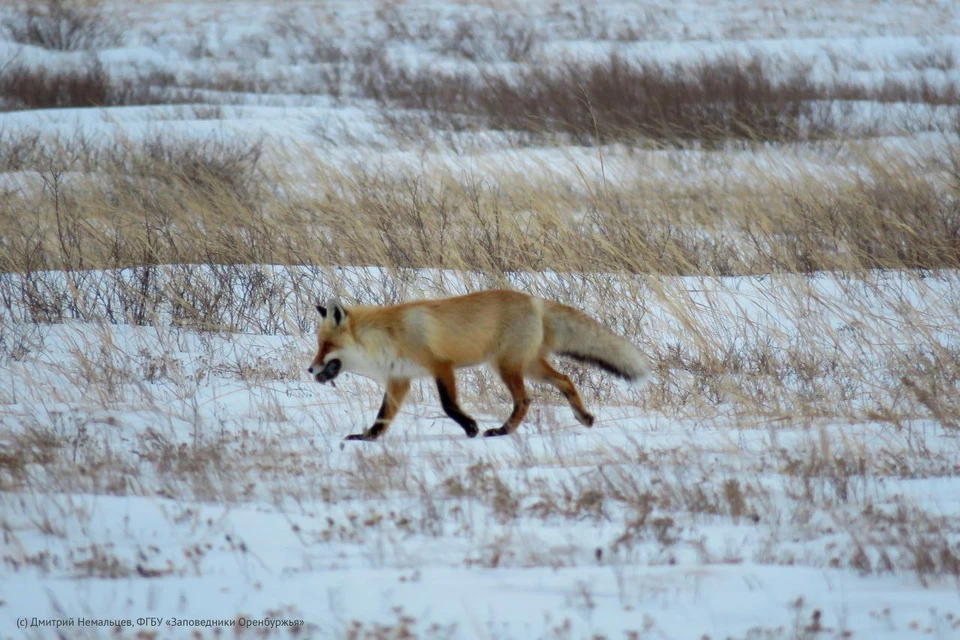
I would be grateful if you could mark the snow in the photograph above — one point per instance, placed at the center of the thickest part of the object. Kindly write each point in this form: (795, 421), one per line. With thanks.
(283, 517)
(171, 473)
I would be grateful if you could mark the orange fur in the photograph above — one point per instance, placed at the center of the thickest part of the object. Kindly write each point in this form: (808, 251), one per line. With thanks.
(512, 331)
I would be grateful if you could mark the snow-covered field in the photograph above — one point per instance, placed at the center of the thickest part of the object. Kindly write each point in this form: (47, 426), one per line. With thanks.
(168, 469)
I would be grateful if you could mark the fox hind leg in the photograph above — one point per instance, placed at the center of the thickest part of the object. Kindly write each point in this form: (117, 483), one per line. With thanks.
(513, 378)
(543, 372)
(392, 399)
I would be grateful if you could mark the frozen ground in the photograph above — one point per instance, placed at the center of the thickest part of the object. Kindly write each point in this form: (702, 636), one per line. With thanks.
(197, 476)
(155, 475)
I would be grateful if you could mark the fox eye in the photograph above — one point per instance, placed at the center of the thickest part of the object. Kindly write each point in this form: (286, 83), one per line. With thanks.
(322, 310)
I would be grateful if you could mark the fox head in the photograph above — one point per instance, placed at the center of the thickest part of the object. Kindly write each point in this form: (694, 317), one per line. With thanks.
(334, 338)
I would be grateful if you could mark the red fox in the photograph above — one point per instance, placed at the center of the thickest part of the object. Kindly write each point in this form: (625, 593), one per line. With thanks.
(511, 330)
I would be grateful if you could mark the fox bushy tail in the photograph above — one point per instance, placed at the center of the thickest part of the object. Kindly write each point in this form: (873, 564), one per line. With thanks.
(578, 336)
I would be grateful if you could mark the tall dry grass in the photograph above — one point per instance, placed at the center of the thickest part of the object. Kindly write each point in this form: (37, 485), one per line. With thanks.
(163, 233)
(85, 206)
(63, 25)
(24, 86)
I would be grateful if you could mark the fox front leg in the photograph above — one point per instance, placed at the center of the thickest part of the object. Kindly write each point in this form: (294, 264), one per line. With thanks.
(392, 399)
(447, 389)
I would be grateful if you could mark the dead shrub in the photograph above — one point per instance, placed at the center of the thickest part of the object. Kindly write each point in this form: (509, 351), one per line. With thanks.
(821, 473)
(888, 217)
(18, 151)
(41, 88)
(98, 561)
(615, 100)
(64, 25)
(907, 537)
(481, 481)
(496, 38)
(26, 87)
(36, 444)
(190, 458)
(921, 91)
(211, 167)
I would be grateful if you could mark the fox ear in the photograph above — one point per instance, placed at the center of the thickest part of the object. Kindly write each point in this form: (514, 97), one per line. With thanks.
(322, 310)
(339, 313)
(336, 309)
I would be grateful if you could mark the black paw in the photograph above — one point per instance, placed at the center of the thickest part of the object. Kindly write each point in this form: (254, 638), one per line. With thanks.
(584, 418)
(499, 431)
(471, 430)
(360, 436)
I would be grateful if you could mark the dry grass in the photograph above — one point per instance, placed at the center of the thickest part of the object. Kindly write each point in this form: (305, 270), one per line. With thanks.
(879, 213)
(64, 25)
(615, 99)
(633, 101)
(25, 87)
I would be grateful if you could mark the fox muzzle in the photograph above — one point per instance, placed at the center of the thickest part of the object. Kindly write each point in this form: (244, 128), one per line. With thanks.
(330, 371)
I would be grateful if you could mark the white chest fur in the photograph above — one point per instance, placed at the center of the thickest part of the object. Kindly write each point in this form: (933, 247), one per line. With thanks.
(379, 368)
